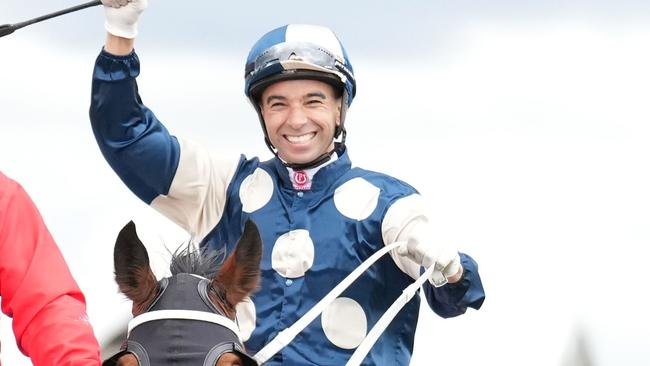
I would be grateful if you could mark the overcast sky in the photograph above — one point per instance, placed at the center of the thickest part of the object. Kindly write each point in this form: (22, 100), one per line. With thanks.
(525, 124)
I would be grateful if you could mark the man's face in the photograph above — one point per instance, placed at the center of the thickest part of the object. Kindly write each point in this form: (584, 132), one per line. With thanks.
(300, 118)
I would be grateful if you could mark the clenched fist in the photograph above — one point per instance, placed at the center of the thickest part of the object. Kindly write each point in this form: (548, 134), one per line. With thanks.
(122, 16)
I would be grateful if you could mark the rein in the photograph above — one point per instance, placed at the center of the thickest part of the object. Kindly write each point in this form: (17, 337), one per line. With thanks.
(379, 327)
(287, 335)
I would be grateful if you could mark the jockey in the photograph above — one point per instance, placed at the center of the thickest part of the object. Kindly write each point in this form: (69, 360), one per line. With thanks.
(37, 289)
(319, 218)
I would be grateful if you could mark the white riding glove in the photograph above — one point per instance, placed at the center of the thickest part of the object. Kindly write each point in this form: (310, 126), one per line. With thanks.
(426, 254)
(406, 220)
(122, 16)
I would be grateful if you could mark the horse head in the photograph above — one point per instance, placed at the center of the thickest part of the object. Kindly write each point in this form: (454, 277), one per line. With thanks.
(188, 318)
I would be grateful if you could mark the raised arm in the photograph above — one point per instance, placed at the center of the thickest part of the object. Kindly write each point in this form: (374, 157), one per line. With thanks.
(131, 138)
(48, 309)
(175, 176)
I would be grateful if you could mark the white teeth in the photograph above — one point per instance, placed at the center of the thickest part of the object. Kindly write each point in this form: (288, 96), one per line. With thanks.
(301, 138)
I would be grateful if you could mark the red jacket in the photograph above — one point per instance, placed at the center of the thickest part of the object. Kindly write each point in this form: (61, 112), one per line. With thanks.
(37, 289)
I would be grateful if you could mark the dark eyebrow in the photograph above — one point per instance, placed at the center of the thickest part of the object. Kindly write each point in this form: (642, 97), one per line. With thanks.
(274, 97)
(271, 98)
(316, 94)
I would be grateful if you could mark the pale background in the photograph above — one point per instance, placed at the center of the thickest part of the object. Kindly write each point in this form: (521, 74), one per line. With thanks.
(524, 123)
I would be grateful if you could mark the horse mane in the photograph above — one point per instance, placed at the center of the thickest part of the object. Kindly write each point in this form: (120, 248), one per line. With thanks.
(202, 261)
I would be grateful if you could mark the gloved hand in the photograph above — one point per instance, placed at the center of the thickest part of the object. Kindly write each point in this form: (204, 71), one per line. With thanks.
(122, 16)
(426, 254)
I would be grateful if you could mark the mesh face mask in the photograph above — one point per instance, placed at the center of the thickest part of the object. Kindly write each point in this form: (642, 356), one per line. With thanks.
(182, 327)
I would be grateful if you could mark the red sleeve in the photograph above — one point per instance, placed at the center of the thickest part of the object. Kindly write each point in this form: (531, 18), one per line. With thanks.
(37, 288)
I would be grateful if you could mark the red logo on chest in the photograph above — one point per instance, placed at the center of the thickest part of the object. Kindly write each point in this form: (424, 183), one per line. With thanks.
(301, 180)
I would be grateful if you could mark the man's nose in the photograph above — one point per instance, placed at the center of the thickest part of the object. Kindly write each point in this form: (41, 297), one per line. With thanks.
(297, 117)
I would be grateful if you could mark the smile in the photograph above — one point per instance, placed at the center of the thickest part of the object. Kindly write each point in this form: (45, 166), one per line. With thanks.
(301, 138)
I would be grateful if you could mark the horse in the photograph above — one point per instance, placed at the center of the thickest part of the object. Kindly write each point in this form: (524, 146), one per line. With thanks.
(188, 318)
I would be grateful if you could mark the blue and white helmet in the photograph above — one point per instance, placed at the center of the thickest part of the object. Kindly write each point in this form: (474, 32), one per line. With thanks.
(299, 51)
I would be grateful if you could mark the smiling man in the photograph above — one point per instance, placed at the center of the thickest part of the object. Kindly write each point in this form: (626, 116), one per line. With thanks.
(318, 217)
(300, 117)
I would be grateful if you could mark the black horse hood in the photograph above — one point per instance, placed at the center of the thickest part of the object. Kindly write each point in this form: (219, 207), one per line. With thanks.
(181, 328)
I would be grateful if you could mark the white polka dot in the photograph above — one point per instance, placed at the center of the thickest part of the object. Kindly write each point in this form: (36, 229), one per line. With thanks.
(356, 198)
(314, 34)
(344, 323)
(256, 190)
(293, 254)
(246, 317)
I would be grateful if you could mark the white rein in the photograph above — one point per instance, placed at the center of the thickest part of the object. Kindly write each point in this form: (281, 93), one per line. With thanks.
(287, 335)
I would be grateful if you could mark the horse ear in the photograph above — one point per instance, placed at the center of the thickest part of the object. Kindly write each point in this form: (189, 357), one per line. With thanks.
(240, 274)
(133, 273)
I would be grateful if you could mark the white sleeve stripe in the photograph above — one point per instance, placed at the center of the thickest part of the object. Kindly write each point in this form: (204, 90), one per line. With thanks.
(405, 220)
(197, 196)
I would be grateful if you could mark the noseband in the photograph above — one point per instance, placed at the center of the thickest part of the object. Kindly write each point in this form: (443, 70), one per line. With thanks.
(182, 327)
